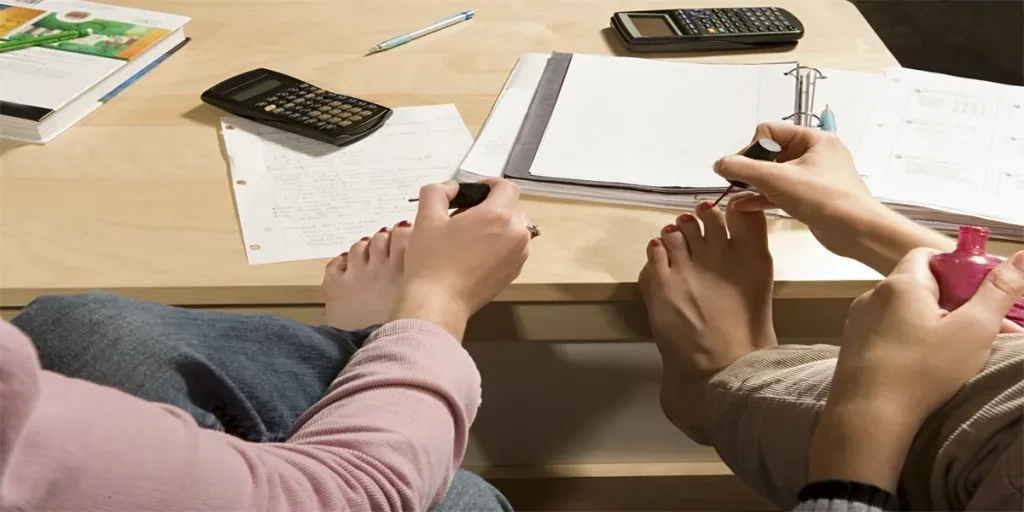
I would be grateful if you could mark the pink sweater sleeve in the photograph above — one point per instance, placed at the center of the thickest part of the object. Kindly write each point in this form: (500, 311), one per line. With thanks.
(388, 435)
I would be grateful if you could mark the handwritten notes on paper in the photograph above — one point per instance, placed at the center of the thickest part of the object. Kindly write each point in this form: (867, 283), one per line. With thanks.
(300, 199)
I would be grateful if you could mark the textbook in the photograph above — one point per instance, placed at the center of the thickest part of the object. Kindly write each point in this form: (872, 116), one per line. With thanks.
(44, 90)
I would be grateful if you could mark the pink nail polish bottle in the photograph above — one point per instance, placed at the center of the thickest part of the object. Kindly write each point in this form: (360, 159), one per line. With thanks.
(959, 273)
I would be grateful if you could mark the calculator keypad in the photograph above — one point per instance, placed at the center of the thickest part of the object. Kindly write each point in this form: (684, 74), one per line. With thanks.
(752, 20)
(317, 108)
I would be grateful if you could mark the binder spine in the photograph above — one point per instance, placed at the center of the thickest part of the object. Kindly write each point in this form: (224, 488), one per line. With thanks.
(803, 109)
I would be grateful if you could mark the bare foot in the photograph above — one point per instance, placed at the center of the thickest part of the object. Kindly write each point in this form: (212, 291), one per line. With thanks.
(361, 286)
(708, 298)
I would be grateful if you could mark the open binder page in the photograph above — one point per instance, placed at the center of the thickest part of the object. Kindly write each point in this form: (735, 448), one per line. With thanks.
(851, 95)
(947, 143)
(493, 144)
(657, 123)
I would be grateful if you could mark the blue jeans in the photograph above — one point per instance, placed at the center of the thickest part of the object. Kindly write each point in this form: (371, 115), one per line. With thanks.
(251, 376)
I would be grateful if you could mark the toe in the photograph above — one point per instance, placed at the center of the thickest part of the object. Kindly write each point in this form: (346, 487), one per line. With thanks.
(690, 229)
(675, 245)
(359, 253)
(747, 228)
(338, 264)
(399, 241)
(714, 224)
(656, 267)
(379, 246)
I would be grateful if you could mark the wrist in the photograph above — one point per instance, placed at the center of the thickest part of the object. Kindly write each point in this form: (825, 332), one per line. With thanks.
(880, 237)
(434, 306)
(862, 442)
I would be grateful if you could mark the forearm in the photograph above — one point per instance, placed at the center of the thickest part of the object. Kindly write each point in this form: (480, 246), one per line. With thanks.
(388, 435)
(880, 237)
(862, 444)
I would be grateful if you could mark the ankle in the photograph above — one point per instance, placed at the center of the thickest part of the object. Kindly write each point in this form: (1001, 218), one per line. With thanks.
(683, 403)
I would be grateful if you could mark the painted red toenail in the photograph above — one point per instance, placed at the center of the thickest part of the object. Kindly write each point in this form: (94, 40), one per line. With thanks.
(364, 239)
(344, 254)
(671, 228)
(655, 242)
(706, 205)
(684, 218)
(384, 230)
(404, 224)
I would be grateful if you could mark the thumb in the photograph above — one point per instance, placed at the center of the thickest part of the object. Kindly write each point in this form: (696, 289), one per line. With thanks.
(760, 174)
(1000, 289)
(751, 202)
(434, 201)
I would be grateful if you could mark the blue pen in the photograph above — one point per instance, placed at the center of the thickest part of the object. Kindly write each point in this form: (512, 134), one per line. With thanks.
(405, 38)
(828, 120)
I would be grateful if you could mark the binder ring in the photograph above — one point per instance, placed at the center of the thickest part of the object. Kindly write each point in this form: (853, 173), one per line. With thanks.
(804, 119)
(803, 109)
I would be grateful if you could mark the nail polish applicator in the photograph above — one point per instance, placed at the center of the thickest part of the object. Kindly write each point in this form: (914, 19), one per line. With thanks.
(761, 149)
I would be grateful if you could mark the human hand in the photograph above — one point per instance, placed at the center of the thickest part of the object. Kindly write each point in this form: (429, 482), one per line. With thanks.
(454, 265)
(814, 180)
(900, 346)
(902, 358)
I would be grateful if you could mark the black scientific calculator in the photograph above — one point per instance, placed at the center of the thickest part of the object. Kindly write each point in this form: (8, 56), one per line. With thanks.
(280, 101)
(694, 30)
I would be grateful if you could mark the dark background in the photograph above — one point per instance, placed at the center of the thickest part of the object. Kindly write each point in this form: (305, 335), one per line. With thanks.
(981, 39)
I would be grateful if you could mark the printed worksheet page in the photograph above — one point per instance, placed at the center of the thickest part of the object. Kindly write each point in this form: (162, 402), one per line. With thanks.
(657, 123)
(298, 198)
(948, 143)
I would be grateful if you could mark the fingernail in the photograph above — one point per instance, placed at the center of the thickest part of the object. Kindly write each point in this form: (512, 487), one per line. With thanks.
(655, 242)
(671, 228)
(364, 239)
(684, 218)
(404, 224)
(383, 230)
(1018, 261)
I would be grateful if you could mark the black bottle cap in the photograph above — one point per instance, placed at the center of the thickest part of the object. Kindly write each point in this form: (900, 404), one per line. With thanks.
(469, 195)
(761, 149)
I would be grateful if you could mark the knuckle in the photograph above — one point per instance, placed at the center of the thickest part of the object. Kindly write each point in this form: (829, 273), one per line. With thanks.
(889, 287)
(860, 301)
(1007, 280)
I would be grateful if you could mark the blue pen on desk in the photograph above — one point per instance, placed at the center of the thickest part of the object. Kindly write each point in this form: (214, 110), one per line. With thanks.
(828, 120)
(405, 38)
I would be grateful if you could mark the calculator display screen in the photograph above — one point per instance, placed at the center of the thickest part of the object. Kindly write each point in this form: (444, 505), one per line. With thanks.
(652, 26)
(259, 88)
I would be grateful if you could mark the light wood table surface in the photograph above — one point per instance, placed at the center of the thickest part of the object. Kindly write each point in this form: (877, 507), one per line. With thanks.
(136, 198)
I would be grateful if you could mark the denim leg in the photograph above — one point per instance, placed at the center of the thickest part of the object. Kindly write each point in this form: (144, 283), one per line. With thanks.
(251, 376)
(470, 493)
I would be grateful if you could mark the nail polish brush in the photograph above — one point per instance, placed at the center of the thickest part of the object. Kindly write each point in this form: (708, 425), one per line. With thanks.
(761, 149)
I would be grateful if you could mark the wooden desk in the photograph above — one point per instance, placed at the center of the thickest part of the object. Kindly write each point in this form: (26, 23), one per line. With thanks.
(136, 198)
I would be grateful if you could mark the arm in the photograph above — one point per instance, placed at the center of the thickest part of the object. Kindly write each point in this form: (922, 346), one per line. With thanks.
(880, 237)
(388, 435)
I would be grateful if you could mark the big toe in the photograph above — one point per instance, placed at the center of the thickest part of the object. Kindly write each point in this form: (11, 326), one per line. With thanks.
(747, 228)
